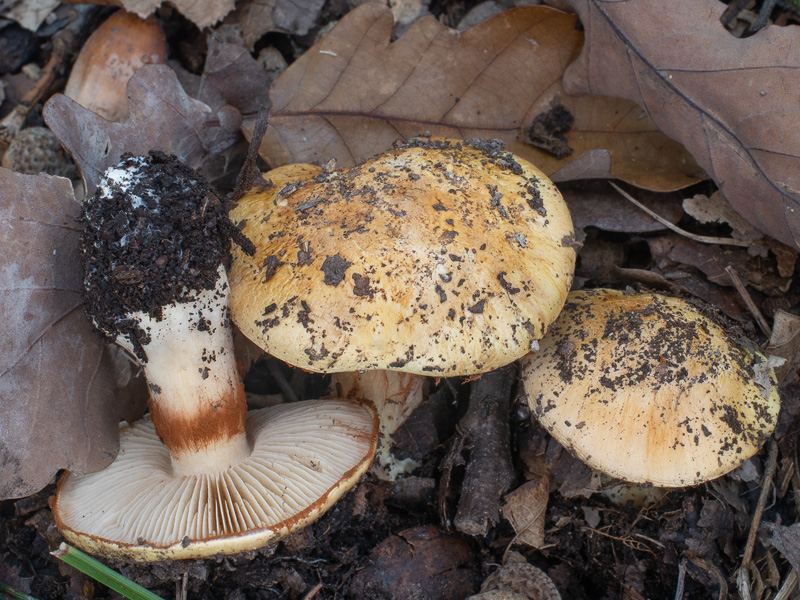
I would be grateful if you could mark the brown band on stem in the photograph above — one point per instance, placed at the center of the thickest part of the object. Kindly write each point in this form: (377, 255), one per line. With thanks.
(214, 420)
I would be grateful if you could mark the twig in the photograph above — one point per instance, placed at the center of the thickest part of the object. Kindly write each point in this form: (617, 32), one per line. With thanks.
(65, 43)
(706, 566)
(312, 592)
(766, 484)
(627, 541)
(681, 579)
(751, 306)
(788, 586)
(182, 593)
(489, 472)
(692, 236)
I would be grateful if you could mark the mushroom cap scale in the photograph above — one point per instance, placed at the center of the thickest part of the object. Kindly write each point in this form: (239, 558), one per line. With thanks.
(436, 258)
(646, 388)
(304, 457)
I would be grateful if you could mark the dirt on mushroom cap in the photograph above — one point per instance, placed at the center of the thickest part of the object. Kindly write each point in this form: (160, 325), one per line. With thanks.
(435, 258)
(646, 388)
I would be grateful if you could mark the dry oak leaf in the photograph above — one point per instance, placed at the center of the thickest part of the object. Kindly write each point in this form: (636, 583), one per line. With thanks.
(161, 117)
(56, 383)
(354, 93)
(732, 102)
(202, 13)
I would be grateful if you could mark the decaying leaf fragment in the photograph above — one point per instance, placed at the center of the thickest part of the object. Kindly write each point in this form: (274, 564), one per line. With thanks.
(355, 93)
(202, 13)
(732, 102)
(525, 508)
(56, 381)
(161, 117)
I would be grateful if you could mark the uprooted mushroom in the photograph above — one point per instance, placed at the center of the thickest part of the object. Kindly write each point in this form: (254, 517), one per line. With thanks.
(438, 258)
(198, 475)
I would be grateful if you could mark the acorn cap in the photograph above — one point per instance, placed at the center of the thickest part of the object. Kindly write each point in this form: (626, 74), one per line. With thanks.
(646, 388)
(436, 258)
(305, 456)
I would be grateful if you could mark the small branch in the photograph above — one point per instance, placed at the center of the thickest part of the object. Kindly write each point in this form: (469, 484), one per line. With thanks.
(65, 44)
(751, 306)
(697, 238)
(489, 472)
(766, 484)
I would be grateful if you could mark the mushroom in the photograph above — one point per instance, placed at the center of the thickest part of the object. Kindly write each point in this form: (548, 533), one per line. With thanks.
(196, 477)
(437, 258)
(649, 389)
(115, 50)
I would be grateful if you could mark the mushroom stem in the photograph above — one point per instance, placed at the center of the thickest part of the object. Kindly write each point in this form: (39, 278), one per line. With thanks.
(197, 400)
(395, 394)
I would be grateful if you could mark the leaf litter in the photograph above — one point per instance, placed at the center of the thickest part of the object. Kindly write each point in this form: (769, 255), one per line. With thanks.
(689, 540)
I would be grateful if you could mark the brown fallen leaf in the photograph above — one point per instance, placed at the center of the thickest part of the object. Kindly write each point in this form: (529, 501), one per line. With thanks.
(716, 209)
(525, 508)
(161, 117)
(202, 13)
(56, 382)
(712, 260)
(355, 93)
(731, 102)
(784, 341)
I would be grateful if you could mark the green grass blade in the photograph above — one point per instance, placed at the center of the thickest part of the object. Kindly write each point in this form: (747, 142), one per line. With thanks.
(108, 577)
(10, 592)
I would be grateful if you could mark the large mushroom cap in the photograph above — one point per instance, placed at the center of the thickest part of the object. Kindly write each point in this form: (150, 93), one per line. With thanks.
(646, 388)
(304, 456)
(436, 258)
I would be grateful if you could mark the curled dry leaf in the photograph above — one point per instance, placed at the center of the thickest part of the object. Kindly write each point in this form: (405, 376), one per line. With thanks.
(525, 508)
(56, 382)
(161, 117)
(354, 93)
(202, 13)
(712, 260)
(732, 102)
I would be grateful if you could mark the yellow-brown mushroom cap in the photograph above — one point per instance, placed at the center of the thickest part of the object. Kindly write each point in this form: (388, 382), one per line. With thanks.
(436, 258)
(648, 389)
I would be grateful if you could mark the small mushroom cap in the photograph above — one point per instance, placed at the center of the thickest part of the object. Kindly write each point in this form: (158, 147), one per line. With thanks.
(646, 388)
(436, 258)
(305, 456)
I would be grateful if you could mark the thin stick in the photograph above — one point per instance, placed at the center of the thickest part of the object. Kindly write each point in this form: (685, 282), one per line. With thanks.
(751, 306)
(312, 592)
(65, 44)
(697, 238)
(766, 484)
(788, 587)
(681, 579)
